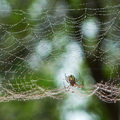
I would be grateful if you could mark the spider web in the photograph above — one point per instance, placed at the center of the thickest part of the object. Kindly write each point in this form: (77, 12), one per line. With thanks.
(35, 45)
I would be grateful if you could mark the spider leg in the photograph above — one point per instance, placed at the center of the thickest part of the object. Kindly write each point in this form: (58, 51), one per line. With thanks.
(66, 78)
(79, 86)
(67, 88)
(76, 80)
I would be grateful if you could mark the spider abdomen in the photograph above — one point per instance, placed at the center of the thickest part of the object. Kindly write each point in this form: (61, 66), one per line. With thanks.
(72, 82)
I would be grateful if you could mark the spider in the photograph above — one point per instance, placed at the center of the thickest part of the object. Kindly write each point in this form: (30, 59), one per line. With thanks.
(72, 80)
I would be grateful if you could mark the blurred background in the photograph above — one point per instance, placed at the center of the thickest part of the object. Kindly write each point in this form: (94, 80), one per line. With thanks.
(41, 41)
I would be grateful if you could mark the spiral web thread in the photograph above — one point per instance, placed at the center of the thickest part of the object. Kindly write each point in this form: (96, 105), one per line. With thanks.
(21, 63)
